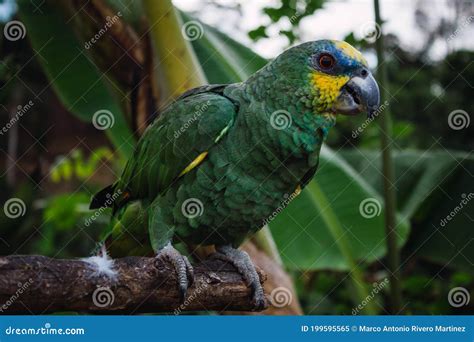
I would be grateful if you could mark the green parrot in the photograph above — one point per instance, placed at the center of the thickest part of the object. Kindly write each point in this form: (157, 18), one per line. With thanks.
(219, 160)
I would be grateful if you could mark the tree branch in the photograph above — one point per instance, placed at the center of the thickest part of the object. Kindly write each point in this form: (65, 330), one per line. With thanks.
(38, 284)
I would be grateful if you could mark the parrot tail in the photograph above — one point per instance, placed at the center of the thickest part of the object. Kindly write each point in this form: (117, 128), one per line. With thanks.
(105, 198)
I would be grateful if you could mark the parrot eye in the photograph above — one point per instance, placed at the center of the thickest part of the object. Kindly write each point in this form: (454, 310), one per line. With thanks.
(326, 61)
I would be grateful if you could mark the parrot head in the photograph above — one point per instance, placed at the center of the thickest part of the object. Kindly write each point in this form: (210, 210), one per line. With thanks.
(333, 75)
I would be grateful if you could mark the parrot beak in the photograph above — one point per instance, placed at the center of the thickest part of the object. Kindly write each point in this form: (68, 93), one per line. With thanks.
(360, 94)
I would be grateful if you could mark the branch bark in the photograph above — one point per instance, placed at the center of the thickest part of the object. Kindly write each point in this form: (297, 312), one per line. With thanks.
(38, 284)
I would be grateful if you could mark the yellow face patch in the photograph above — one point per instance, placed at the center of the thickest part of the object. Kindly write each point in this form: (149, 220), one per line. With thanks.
(350, 51)
(328, 88)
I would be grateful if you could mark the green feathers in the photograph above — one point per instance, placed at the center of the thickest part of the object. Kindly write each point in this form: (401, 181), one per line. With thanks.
(220, 159)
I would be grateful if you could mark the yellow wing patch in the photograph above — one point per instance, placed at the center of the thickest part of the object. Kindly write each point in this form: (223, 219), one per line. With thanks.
(194, 163)
(297, 190)
(328, 88)
(350, 51)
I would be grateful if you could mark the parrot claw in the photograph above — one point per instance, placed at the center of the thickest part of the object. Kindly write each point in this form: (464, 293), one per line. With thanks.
(184, 269)
(242, 262)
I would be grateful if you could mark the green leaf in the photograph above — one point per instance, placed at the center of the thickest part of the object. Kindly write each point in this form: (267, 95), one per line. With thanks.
(223, 59)
(258, 33)
(62, 210)
(418, 173)
(80, 86)
(430, 186)
(331, 232)
(444, 220)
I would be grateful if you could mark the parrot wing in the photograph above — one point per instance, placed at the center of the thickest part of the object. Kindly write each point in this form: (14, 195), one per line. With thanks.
(178, 141)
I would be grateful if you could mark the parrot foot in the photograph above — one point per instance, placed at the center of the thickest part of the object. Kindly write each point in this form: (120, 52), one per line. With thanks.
(183, 268)
(242, 262)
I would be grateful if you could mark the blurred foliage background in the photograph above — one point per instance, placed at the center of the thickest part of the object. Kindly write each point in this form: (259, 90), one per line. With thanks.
(54, 158)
